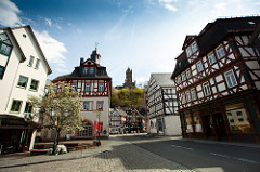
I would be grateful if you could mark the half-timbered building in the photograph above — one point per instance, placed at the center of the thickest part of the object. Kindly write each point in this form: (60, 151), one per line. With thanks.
(94, 86)
(162, 106)
(217, 80)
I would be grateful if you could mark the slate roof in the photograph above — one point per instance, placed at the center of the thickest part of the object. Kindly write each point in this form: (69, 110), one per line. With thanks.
(181, 64)
(214, 33)
(163, 79)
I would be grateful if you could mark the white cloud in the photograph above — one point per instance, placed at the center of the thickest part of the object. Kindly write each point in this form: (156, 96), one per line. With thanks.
(171, 7)
(168, 1)
(48, 21)
(8, 14)
(220, 7)
(52, 49)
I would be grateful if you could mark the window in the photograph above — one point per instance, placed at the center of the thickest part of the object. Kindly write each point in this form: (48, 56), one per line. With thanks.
(194, 47)
(183, 98)
(240, 119)
(179, 79)
(99, 105)
(101, 87)
(28, 108)
(91, 70)
(188, 96)
(229, 114)
(31, 61)
(88, 87)
(22, 82)
(239, 113)
(188, 73)
(86, 106)
(16, 106)
(200, 66)
(5, 44)
(188, 51)
(220, 52)
(230, 78)
(2, 69)
(193, 94)
(212, 58)
(34, 85)
(37, 63)
(206, 89)
(183, 76)
(85, 70)
(74, 86)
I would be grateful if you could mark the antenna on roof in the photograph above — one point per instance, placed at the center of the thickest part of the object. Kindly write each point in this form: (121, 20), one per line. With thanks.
(96, 44)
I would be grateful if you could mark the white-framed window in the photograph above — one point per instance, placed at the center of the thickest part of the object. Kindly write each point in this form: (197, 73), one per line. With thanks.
(101, 87)
(183, 98)
(230, 78)
(91, 70)
(74, 86)
(220, 52)
(194, 47)
(199, 66)
(5, 44)
(188, 51)
(188, 96)
(37, 63)
(16, 106)
(206, 88)
(34, 85)
(86, 105)
(100, 105)
(193, 94)
(212, 58)
(179, 79)
(22, 82)
(31, 61)
(85, 70)
(183, 77)
(88, 87)
(188, 73)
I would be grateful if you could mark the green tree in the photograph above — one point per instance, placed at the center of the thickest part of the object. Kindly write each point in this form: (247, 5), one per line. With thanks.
(60, 104)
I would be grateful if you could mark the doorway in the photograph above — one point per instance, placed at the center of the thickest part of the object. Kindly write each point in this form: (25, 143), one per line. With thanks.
(219, 125)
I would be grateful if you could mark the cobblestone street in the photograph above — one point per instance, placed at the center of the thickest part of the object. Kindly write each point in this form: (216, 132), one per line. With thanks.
(118, 155)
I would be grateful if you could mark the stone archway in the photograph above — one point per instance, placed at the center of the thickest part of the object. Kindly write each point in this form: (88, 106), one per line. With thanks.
(88, 131)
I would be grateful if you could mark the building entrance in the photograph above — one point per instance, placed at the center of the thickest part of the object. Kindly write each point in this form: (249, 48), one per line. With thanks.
(219, 126)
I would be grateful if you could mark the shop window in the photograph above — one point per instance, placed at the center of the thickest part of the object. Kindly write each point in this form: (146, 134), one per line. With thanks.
(22, 82)
(220, 52)
(16, 106)
(230, 78)
(197, 122)
(238, 119)
(188, 120)
(34, 85)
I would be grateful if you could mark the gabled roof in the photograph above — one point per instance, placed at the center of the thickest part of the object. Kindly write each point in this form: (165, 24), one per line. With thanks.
(188, 40)
(215, 32)
(163, 79)
(181, 64)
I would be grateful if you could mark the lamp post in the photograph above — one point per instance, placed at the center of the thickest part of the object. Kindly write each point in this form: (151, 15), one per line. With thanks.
(55, 119)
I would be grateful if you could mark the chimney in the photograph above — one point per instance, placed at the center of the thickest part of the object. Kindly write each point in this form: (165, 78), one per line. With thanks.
(81, 60)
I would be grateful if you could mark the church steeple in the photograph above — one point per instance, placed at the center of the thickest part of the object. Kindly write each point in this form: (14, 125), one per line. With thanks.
(95, 56)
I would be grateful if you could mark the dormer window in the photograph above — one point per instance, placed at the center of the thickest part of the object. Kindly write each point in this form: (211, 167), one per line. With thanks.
(188, 51)
(194, 47)
(85, 70)
(91, 70)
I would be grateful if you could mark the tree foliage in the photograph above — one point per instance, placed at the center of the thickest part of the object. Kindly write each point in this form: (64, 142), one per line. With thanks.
(65, 101)
(126, 97)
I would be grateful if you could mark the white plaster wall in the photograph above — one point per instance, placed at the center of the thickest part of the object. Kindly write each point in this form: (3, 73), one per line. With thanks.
(6, 83)
(91, 115)
(173, 125)
(28, 47)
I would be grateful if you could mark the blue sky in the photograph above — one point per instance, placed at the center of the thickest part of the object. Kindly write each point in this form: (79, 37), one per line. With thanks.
(145, 35)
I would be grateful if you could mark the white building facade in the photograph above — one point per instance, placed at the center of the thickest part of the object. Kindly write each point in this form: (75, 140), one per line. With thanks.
(162, 106)
(23, 73)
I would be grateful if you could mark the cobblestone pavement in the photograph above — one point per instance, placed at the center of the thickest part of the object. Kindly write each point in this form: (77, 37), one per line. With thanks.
(118, 156)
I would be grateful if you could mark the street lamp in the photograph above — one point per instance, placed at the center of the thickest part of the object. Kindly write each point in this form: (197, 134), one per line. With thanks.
(52, 113)
(55, 119)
